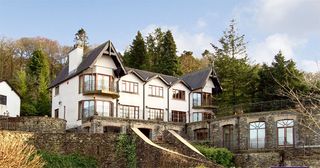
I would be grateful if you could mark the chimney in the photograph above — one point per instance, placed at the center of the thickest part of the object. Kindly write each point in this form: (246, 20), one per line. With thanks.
(75, 58)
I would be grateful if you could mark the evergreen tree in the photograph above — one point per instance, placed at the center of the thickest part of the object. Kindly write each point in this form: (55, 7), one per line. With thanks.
(38, 75)
(152, 52)
(281, 72)
(169, 63)
(137, 56)
(232, 66)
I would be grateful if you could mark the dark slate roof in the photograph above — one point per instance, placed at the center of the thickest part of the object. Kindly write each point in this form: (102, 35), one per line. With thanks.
(197, 79)
(88, 60)
(146, 75)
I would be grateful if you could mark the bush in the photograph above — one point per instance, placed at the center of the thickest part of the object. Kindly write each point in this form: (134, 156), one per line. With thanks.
(16, 152)
(67, 161)
(126, 148)
(219, 155)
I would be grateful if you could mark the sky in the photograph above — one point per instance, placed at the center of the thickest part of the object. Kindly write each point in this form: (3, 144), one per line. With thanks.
(292, 26)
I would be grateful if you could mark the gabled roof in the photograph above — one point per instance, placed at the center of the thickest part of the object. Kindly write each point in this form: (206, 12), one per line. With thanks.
(11, 87)
(147, 75)
(198, 79)
(90, 58)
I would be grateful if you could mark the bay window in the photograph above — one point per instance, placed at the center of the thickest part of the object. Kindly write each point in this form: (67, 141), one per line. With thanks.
(201, 116)
(88, 108)
(96, 82)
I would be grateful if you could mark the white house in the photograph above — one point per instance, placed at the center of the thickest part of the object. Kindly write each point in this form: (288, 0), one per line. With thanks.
(97, 84)
(9, 100)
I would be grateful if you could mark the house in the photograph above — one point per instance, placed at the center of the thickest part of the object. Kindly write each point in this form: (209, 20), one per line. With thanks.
(97, 84)
(9, 100)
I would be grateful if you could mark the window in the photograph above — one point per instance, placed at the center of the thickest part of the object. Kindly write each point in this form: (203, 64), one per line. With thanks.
(56, 90)
(179, 116)
(285, 132)
(103, 108)
(257, 134)
(200, 116)
(206, 99)
(89, 83)
(103, 82)
(156, 91)
(130, 87)
(202, 99)
(155, 114)
(88, 108)
(56, 113)
(227, 136)
(64, 112)
(129, 112)
(3, 99)
(178, 94)
(196, 99)
(201, 134)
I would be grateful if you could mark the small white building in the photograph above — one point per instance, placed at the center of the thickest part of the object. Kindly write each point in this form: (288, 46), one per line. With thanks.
(97, 84)
(9, 100)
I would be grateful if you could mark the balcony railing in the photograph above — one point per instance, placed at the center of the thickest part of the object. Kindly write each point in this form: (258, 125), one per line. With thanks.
(111, 90)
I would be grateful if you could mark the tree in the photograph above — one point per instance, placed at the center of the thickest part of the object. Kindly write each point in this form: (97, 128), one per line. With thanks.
(189, 63)
(81, 39)
(38, 77)
(136, 56)
(232, 66)
(169, 63)
(281, 72)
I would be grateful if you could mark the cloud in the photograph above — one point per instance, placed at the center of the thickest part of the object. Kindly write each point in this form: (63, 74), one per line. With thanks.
(185, 40)
(295, 17)
(310, 65)
(265, 50)
(201, 23)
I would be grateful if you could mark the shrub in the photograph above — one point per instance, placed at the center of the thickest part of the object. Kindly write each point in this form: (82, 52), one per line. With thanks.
(16, 152)
(220, 155)
(126, 147)
(67, 161)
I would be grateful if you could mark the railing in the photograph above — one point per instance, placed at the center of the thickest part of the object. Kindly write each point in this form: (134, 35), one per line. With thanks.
(257, 107)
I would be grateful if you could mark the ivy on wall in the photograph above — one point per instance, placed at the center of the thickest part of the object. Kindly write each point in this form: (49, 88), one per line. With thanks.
(126, 147)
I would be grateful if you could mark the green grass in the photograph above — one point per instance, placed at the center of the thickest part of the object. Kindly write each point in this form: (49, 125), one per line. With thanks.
(54, 160)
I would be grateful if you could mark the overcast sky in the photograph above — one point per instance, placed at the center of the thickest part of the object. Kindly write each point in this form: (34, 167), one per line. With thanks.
(292, 26)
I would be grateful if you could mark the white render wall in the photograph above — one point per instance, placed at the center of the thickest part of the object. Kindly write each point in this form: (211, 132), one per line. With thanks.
(179, 105)
(13, 100)
(156, 102)
(131, 99)
(207, 89)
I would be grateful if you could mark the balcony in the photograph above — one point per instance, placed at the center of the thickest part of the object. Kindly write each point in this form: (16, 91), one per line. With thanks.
(98, 84)
(203, 101)
(110, 91)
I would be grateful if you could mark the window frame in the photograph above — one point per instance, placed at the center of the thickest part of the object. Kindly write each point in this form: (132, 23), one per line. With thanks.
(157, 114)
(127, 108)
(56, 90)
(285, 127)
(155, 91)
(178, 94)
(257, 126)
(178, 117)
(3, 100)
(128, 84)
(56, 113)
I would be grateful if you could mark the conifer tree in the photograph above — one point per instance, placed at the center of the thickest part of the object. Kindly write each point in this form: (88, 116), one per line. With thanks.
(233, 68)
(169, 62)
(136, 56)
(281, 72)
(81, 39)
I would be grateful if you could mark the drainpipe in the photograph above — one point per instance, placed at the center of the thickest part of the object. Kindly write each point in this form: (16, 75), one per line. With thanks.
(189, 106)
(168, 109)
(144, 101)
(238, 122)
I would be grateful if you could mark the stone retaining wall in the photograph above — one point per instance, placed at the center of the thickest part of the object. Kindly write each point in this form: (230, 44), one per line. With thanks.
(33, 124)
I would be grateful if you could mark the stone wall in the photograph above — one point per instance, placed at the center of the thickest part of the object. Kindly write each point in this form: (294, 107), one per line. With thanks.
(33, 124)
(97, 125)
(99, 146)
(257, 159)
